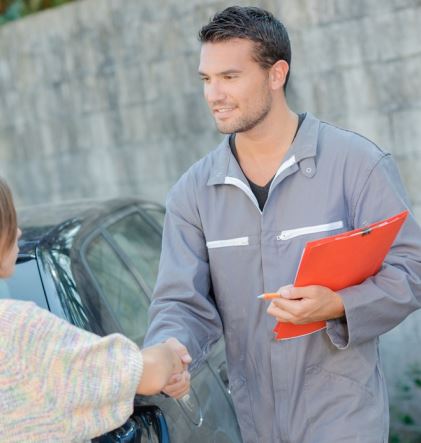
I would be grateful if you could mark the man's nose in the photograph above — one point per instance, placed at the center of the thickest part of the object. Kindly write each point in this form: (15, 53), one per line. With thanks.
(214, 93)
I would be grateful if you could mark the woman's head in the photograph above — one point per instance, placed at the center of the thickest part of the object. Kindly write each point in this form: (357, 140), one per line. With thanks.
(9, 232)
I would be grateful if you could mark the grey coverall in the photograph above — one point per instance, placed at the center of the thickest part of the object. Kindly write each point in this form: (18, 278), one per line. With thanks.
(220, 251)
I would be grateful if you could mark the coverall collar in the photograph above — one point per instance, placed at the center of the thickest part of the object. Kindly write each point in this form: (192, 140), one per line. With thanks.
(302, 151)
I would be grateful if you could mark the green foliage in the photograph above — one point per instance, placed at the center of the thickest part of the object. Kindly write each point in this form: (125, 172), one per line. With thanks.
(405, 410)
(14, 9)
(407, 419)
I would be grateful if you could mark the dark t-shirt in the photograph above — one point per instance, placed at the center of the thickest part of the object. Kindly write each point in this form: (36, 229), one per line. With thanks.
(261, 192)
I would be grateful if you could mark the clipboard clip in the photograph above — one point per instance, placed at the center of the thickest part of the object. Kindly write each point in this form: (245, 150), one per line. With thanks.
(366, 231)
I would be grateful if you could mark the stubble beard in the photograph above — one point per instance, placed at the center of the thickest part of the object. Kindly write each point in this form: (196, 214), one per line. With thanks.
(247, 122)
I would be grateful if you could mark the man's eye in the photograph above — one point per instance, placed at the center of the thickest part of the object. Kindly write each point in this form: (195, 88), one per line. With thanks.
(204, 79)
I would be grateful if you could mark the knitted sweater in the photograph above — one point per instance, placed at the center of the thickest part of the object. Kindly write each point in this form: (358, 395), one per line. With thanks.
(59, 383)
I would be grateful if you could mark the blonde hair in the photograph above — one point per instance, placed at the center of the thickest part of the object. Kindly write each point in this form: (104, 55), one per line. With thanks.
(8, 219)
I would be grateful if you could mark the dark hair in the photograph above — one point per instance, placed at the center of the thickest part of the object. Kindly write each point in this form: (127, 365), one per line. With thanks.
(255, 24)
(8, 222)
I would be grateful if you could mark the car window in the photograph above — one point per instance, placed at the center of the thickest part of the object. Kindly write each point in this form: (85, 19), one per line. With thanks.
(124, 296)
(141, 243)
(157, 214)
(4, 290)
(25, 284)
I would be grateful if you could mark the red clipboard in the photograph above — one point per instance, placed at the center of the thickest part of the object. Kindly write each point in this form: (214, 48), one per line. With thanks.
(342, 260)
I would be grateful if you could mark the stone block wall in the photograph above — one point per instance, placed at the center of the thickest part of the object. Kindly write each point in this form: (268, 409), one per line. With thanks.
(99, 99)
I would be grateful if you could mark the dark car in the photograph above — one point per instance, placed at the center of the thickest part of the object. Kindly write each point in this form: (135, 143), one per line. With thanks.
(95, 264)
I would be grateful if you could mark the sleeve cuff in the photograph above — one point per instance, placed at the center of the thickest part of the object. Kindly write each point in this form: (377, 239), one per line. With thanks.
(337, 330)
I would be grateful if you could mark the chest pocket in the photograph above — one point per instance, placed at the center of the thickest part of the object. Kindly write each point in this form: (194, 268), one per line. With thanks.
(239, 241)
(306, 230)
(231, 261)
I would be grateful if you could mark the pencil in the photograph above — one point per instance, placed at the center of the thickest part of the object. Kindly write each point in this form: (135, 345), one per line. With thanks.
(268, 296)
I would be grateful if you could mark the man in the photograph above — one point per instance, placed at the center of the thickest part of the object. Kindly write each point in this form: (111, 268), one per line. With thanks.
(223, 245)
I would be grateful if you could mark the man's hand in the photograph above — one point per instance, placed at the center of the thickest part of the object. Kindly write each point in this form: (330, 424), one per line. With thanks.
(306, 305)
(179, 383)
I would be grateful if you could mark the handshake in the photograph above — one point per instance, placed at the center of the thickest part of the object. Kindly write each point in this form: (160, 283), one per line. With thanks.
(165, 369)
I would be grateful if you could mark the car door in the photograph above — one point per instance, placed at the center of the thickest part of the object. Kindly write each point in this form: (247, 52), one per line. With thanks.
(122, 258)
(147, 423)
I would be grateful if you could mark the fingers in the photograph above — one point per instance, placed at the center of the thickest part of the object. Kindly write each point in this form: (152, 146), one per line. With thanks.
(285, 290)
(178, 385)
(282, 304)
(160, 362)
(280, 313)
(180, 350)
(175, 363)
(290, 292)
(306, 304)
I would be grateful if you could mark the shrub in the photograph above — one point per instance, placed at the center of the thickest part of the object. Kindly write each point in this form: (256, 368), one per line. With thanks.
(15, 9)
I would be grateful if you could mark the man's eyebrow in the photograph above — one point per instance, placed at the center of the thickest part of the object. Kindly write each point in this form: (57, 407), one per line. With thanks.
(227, 72)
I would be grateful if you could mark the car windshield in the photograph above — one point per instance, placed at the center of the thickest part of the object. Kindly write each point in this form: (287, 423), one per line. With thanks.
(56, 267)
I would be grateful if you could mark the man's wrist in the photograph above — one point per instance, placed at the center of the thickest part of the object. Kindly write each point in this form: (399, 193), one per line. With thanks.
(339, 308)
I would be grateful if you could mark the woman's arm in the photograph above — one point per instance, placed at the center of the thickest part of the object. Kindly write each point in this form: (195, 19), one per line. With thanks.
(69, 382)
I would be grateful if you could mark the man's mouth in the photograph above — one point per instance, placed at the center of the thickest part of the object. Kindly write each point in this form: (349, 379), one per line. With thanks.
(223, 110)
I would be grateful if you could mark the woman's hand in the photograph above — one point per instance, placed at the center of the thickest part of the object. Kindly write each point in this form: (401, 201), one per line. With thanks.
(160, 363)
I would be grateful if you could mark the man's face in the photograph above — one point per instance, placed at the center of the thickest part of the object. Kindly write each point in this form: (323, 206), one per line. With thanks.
(236, 88)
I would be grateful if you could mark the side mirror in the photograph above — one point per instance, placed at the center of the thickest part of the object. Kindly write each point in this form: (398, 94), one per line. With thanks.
(146, 425)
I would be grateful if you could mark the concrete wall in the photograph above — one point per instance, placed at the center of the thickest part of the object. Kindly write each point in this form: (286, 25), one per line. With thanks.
(358, 63)
(99, 99)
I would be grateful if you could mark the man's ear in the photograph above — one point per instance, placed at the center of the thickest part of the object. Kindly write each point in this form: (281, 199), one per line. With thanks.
(278, 74)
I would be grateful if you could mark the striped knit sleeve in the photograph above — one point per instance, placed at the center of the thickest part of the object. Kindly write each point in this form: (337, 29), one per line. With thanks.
(63, 383)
